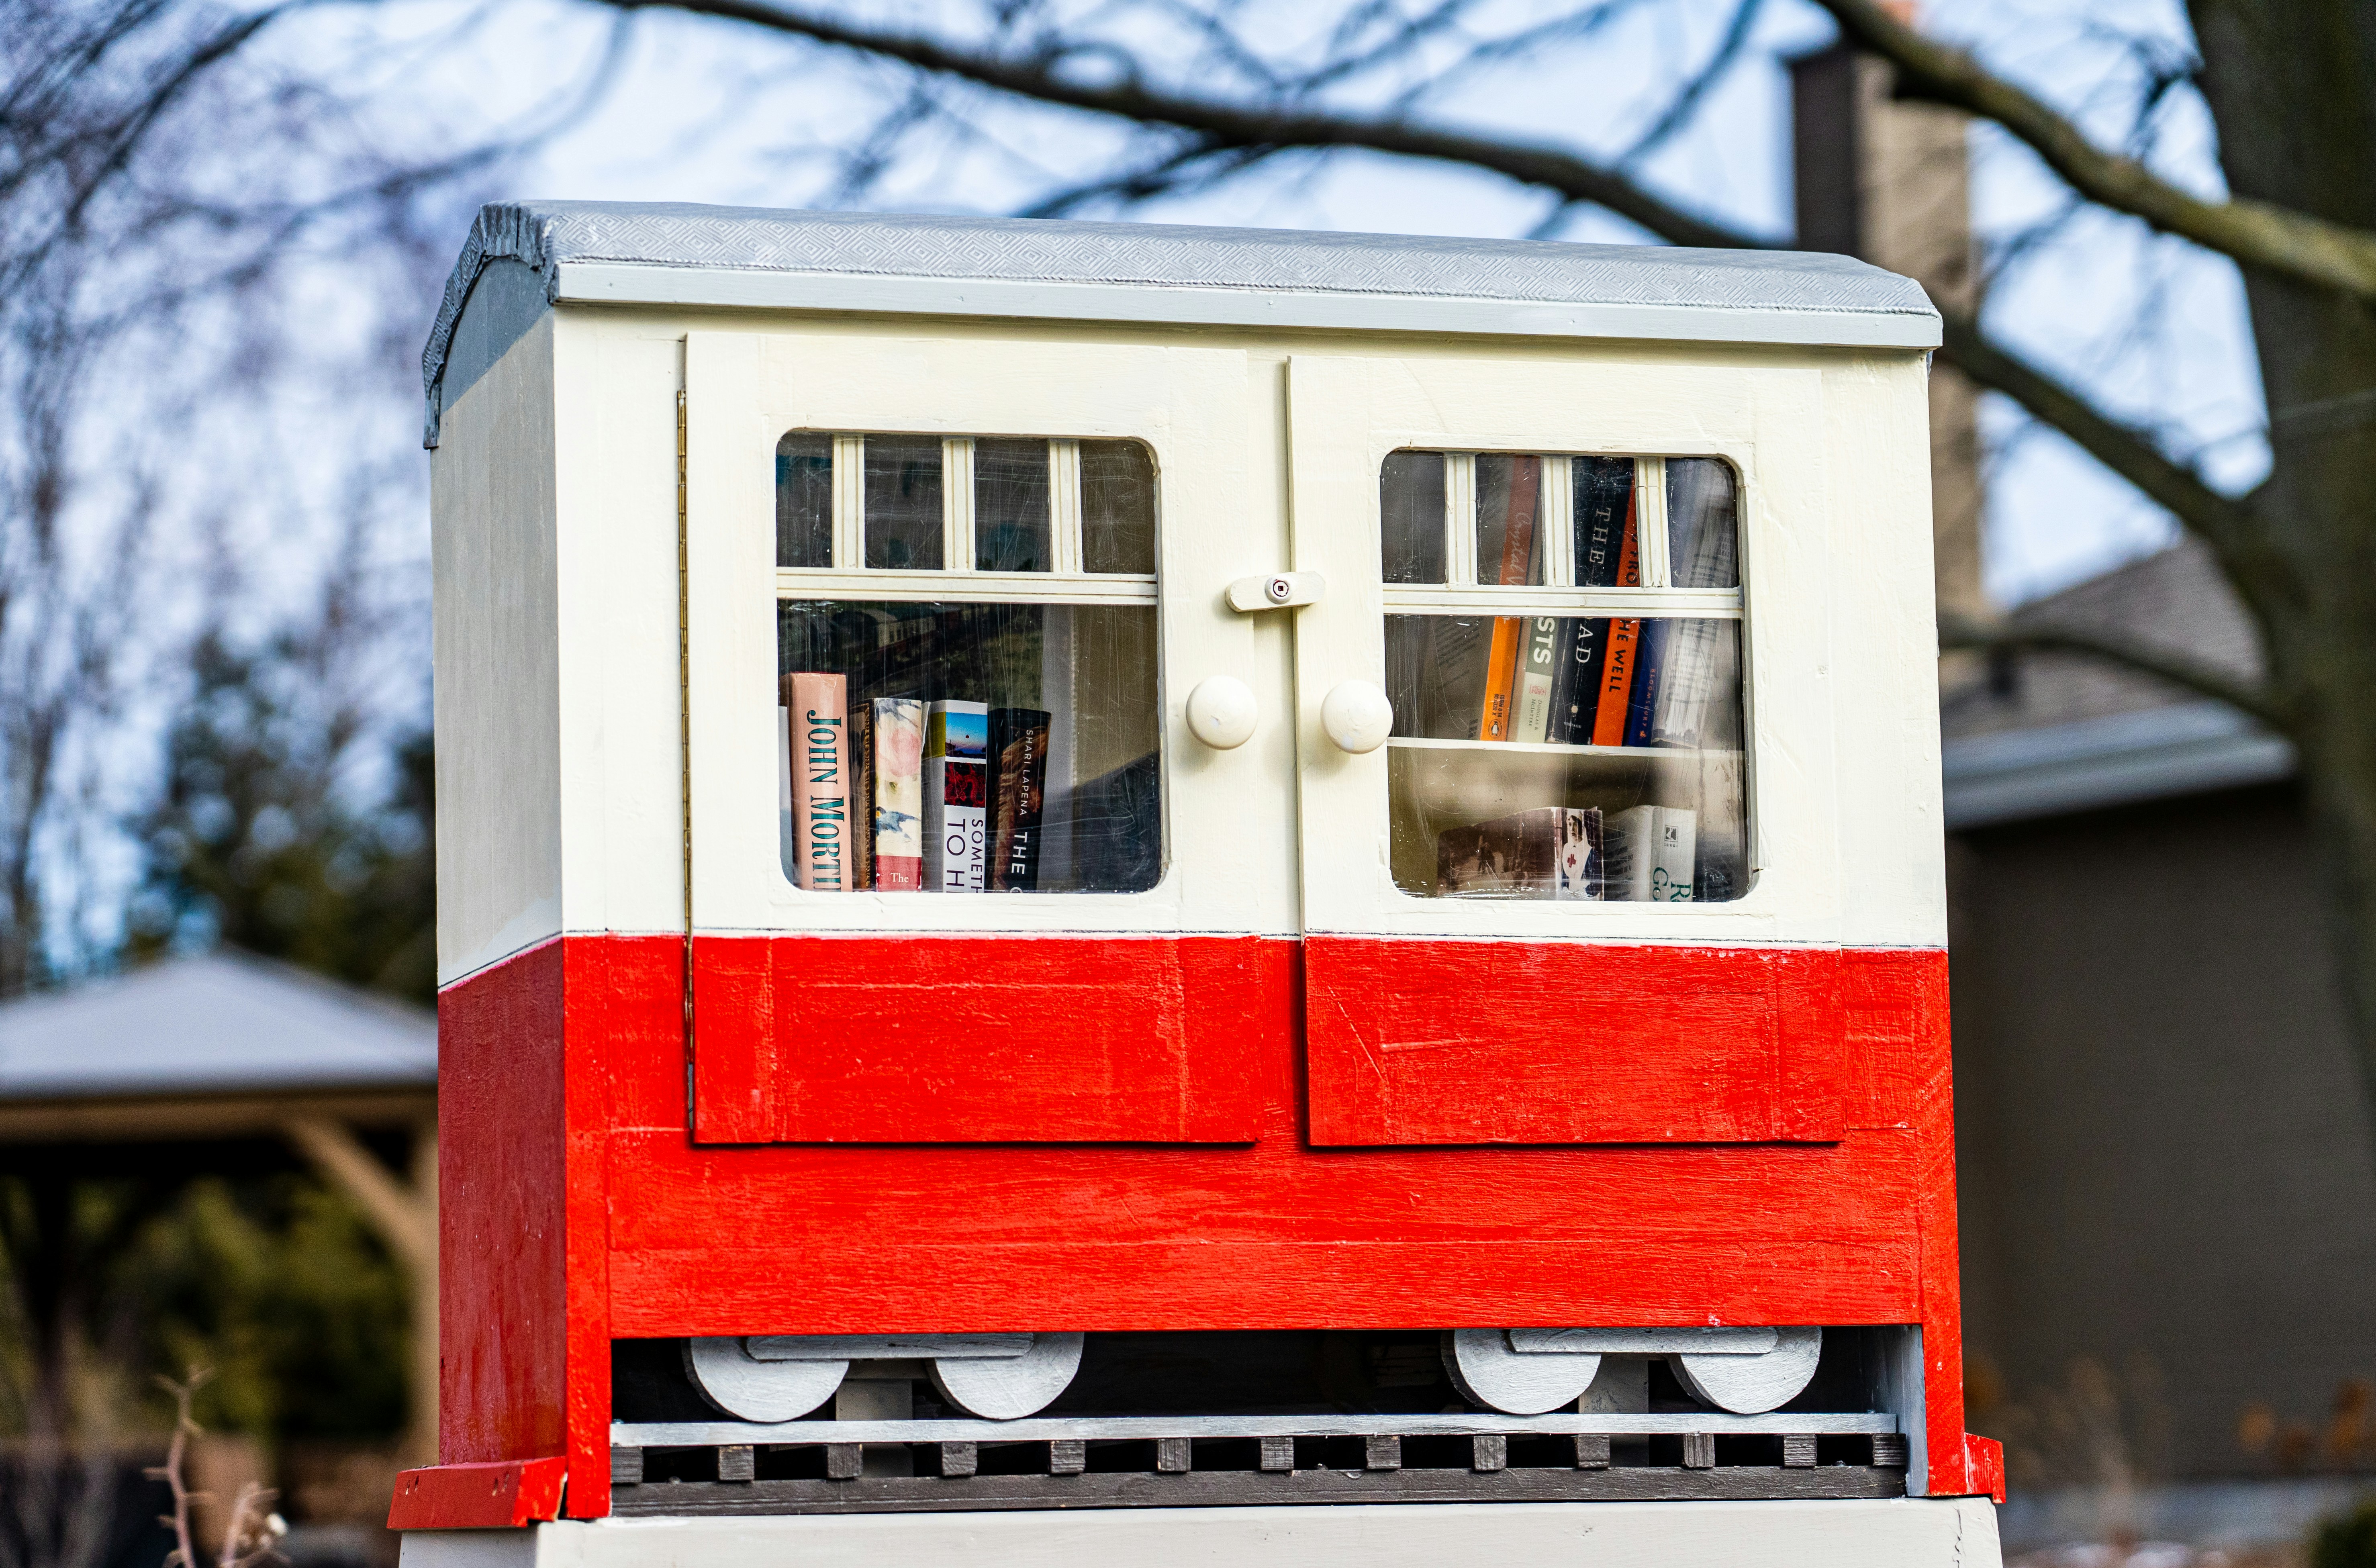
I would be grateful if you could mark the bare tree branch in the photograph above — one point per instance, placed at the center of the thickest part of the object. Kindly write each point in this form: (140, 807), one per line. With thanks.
(2258, 702)
(1219, 126)
(2257, 235)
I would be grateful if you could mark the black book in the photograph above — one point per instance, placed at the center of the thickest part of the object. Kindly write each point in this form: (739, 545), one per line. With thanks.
(1018, 781)
(1604, 492)
(1575, 682)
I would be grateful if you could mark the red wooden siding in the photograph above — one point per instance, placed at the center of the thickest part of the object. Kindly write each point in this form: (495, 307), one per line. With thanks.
(500, 1124)
(982, 1039)
(1537, 1042)
(666, 1236)
(498, 1496)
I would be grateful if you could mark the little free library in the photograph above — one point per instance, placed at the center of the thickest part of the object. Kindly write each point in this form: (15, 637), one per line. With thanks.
(1115, 891)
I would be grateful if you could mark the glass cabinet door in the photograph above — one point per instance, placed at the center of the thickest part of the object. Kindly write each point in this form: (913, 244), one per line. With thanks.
(1537, 910)
(945, 883)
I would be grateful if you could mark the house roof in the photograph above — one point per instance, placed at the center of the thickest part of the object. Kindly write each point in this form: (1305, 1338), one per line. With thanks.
(222, 1024)
(528, 255)
(2049, 733)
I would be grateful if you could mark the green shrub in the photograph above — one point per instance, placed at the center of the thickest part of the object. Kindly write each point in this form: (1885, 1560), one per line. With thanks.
(2347, 1540)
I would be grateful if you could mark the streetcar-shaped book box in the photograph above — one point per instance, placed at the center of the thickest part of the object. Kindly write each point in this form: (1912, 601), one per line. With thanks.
(1289, 839)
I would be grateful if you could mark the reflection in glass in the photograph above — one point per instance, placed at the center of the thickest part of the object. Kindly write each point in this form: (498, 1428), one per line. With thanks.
(1702, 527)
(1411, 512)
(1010, 506)
(1117, 507)
(1065, 795)
(804, 500)
(1607, 717)
(903, 502)
(1509, 504)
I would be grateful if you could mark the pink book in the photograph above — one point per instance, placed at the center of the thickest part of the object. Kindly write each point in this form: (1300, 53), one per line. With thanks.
(818, 711)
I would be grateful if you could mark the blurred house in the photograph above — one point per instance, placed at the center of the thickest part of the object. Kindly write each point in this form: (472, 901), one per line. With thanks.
(221, 1066)
(2168, 1193)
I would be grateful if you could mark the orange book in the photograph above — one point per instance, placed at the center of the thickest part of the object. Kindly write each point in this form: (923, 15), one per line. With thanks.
(1617, 666)
(1509, 630)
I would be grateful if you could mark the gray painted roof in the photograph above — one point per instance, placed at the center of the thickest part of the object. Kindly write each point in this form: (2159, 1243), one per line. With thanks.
(221, 1024)
(1109, 271)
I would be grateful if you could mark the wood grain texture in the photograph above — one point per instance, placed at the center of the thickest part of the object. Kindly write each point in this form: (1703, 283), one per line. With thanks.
(505, 1495)
(983, 1040)
(503, 1311)
(1580, 1043)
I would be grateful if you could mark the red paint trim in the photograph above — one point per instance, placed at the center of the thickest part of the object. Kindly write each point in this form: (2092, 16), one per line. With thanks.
(982, 1039)
(1416, 1042)
(501, 1496)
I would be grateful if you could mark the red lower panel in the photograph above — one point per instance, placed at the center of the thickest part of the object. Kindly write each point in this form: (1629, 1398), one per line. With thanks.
(501, 1496)
(1569, 1042)
(501, 1174)
(983, 1040)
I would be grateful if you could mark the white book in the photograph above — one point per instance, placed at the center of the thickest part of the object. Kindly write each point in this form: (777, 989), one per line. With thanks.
(957, 796)
(1650, 853)
(1537, 663)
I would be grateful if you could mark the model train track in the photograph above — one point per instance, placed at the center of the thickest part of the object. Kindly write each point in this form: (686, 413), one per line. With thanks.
(1161, 1461)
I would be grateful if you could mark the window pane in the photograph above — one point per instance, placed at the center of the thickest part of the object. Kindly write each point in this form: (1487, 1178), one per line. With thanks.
(804, 500)
(1117, 507)
(993, 747)
(1702, 526)
(1411, 508)
(903, 502)
(1509, 503)
(1010, 506)
(1620, 774)
(1604, 519)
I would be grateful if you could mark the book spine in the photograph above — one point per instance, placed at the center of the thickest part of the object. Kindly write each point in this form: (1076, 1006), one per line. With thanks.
(1575, 689)
(1501, 671)
(1626, 854)
(956, 794)
(1580, 863)
(1649, 669)
(1674, 856)
(898, 806)
(820, 746)
(1495, 718)
(862, 792)
(1604, 502)
(1537, 671)
(1018, 760)
(1616, 663)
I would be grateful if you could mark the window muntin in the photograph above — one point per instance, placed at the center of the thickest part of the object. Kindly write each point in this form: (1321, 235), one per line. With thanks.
(968, 668)
(1565, 670)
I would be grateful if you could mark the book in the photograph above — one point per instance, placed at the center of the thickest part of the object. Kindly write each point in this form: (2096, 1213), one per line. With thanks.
(1616, 663)
(1495, 715)
(1604, 504)
(1650, 853)
(819, 745)
(1642, 707)
(1575, 681)
(957, 796)
(1548, 852)
(1455, 653)
(1538, 668)
(862, 796)
(896, 746)
(1018, 777)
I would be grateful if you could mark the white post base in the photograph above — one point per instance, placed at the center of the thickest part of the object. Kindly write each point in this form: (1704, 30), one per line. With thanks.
(1896, 1532)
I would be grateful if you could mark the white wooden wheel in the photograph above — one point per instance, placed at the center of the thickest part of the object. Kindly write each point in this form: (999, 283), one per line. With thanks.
(1488, 1373)
(1751, 1385)
(727, 1375)
(1005, 1388)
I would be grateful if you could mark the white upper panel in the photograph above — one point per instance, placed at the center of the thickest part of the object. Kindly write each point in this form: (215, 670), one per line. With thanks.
(678, 253)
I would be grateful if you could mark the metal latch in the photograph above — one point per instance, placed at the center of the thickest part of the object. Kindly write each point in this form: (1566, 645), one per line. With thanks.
(1279, 590)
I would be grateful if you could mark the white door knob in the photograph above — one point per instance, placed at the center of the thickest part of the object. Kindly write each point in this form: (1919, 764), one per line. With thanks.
(1357, 716)
(1221, 712)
